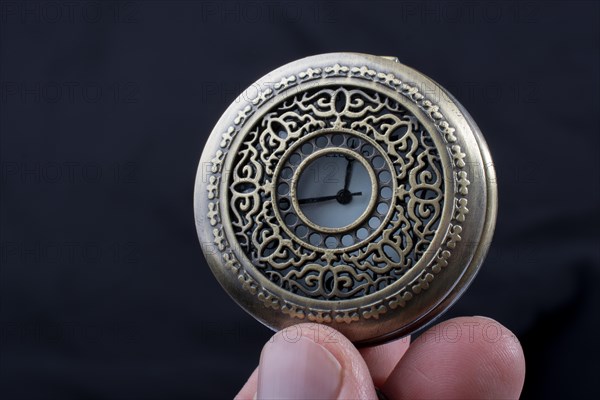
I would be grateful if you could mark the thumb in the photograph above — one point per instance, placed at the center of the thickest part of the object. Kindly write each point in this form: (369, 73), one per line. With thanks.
(310, 361)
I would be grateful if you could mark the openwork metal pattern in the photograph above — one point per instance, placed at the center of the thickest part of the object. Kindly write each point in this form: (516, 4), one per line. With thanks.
(391, 236)
(216, 189)
(426, 214)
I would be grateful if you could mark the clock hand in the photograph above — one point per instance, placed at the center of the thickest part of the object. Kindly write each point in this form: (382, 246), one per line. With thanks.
(348, 173)
(324, 198)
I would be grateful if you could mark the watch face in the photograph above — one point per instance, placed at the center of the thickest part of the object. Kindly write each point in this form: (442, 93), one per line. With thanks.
(333, 189)
(340, 194)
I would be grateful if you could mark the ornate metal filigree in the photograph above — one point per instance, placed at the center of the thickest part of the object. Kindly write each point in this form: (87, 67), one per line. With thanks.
(345, 263)
(300, 311)
(257, 238)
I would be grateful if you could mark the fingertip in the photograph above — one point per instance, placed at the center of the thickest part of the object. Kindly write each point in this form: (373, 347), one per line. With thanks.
(312, 361)
(382, 359)
(469, 357)
(503, 356)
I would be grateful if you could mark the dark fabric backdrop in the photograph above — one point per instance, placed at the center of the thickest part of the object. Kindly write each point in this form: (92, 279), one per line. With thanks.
(106, 106)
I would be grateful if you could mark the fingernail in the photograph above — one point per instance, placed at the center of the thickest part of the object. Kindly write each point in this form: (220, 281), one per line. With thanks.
(297, 370)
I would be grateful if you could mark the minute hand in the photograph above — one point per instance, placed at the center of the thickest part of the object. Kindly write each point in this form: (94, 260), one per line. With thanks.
(323, 198)
(348, 173)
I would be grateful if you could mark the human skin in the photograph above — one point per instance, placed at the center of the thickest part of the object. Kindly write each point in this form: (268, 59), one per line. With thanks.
(462, 358)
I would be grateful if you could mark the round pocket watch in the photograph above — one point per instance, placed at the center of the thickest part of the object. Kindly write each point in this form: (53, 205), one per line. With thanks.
(348, 190)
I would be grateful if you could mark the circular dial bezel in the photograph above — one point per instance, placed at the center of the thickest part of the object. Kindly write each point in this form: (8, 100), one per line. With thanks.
(313, 157)
(370, 170)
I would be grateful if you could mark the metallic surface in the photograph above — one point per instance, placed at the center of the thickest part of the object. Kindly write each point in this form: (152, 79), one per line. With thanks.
(398, 266)
(307, 161)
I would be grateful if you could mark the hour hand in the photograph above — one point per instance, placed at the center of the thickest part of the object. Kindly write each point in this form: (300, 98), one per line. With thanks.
(324, 198)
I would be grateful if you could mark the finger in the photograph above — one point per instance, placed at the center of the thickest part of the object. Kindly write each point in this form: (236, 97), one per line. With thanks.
(249, 390)
(472, 357)
(382, 359)
(310, 361)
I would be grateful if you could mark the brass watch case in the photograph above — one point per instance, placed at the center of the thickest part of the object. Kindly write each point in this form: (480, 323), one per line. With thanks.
(438, 220)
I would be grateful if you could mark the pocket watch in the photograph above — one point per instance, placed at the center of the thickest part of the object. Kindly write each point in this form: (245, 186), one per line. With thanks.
(348, 190)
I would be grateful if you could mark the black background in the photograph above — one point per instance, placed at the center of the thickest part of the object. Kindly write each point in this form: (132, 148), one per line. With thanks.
(105, 108)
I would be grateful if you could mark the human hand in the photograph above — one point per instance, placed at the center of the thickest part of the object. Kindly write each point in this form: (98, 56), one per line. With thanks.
(462, 358)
